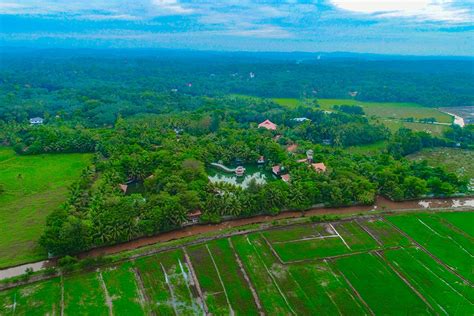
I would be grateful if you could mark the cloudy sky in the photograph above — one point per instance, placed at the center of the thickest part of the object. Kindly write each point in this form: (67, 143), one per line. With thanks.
(421, 27)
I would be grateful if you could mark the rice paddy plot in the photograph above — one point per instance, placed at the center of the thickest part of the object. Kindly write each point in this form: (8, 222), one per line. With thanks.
(84, 295)
(123, 290)
(445, 292)
(461, 220)
(297, 232)
(209, 278)
(42, 298)
(273, 299)
(384, 233)
(447, 245)
(177, 278)
(338, 239)
(379, 287)
(329, 293)
(156, 293)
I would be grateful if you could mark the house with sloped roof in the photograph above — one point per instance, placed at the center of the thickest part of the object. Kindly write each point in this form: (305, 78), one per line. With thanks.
(268, 125)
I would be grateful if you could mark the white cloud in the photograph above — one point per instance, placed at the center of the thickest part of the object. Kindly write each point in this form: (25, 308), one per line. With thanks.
(172, 5)
(434, 10)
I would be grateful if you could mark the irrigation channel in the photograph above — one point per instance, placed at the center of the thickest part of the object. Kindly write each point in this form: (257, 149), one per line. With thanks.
(382, 203)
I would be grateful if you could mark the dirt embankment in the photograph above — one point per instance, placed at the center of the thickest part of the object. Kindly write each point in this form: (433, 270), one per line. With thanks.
(381, 204)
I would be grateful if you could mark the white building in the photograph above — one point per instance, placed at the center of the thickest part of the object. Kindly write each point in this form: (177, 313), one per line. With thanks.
(36, 121)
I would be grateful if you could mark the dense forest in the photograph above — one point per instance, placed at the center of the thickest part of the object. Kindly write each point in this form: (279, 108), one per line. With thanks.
(160, 123)
(93, 89)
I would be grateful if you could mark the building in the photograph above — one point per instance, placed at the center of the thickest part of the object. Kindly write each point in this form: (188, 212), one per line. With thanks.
(276, 170)
(301, 119)
(36, 121)
(268, 125)
(319, 167)
(193, 217)
(285, 177)
(123, 187)
(292, 148)
(261, 160)
(239, 171)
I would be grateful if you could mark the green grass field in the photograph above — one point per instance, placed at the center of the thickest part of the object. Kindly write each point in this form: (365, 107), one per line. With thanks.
(34, 186)
(356, 267)
(459, 161)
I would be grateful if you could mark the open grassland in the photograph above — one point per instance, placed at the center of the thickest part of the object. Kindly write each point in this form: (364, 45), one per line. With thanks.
(459, 161)
(34, 186)
(390, 110)
(417, 263)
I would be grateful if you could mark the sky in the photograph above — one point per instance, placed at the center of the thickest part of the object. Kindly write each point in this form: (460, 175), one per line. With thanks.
(408, 27)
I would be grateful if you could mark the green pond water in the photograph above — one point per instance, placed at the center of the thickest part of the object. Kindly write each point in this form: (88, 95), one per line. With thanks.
(251, 172)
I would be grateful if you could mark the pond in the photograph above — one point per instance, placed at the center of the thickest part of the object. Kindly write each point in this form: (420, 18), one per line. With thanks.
(260, 175)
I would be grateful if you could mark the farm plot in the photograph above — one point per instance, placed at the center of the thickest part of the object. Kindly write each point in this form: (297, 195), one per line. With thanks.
(452, 247)
(84, 295)
(329, 292)
(222, 279)
(461, 220)
(379, 287)
(170, 291)
(444, 291)
(123, 290)
(328, 240)
(279, 292)
(384, 233)
(42, 297)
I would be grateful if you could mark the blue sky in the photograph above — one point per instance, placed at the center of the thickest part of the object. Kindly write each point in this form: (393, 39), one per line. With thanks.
(414, 27)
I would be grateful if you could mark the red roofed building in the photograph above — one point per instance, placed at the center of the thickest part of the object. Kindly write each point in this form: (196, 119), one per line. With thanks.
(319, 167)
(285, 177)
(292, 148)
(276, 169)
(268, 125)
(123, 188)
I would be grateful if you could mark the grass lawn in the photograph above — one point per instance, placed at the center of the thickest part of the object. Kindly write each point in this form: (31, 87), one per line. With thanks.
(34, 186)
(394, 125)
(459, 161)
(390, 110)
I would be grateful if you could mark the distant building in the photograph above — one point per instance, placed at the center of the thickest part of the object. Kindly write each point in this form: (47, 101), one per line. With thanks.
(353, 93)
(261, 160)
(301, 119)
(268, 125)
(319, 167)
(36, 121)
(276, 170)
(123, 187)
(193, 217)
(292, 148)
(239, 171)
(285, 177)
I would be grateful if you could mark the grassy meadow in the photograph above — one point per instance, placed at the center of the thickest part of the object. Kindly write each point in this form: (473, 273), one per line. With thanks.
(416, 263)
(34, 186)
(455, 160)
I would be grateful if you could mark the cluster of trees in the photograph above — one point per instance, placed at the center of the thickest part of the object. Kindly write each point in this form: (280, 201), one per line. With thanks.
(166, 156)
(50, 139)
